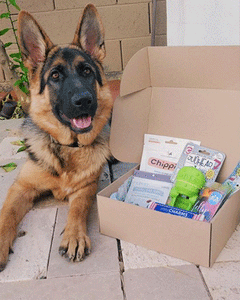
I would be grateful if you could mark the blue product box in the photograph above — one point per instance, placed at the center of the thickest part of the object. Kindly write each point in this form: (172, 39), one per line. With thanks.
(174, 211)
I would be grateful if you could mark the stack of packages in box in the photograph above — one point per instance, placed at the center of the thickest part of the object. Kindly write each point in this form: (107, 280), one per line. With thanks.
(178, 176)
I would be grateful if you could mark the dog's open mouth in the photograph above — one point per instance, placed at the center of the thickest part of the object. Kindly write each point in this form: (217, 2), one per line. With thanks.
(80, 124)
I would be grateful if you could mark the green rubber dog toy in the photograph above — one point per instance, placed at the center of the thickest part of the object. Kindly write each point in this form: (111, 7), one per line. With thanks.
(185, 192)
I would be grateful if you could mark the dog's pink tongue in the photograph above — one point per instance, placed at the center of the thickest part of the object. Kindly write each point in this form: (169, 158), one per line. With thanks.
(82, 122)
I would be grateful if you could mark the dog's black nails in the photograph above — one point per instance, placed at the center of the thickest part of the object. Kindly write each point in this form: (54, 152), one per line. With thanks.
(62, 251)
(2, 266)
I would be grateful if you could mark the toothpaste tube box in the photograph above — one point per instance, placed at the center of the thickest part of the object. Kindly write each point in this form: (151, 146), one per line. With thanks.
(174, 211)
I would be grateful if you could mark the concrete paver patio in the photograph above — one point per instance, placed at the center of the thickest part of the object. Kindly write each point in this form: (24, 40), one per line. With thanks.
(114, 269)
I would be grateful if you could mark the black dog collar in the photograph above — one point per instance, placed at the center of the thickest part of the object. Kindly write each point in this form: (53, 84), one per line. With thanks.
(75, 144)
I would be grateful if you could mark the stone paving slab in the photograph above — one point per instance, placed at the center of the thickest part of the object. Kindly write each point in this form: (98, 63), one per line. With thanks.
(137, 257)
(7, 178)
(31, 251)
(10, 128)
(105, 286)
(9, 151)
(180, 282)
(231, 251)
(103, 257)
(223, 280)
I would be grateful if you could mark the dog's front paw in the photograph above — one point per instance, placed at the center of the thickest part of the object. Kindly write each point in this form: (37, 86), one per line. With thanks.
(75, 246)
(5, 250)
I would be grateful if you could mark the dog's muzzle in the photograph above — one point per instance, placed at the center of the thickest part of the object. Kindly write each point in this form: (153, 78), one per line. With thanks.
(78, 111)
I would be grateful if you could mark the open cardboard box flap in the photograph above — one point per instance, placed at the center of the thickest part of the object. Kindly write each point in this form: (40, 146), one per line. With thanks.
(184, 92)
(211, 67)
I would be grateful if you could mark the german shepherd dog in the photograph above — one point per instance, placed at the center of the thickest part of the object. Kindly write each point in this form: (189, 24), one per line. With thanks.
(64, 133)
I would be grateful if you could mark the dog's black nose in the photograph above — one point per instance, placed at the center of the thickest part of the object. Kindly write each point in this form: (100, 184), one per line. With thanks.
(82, 99)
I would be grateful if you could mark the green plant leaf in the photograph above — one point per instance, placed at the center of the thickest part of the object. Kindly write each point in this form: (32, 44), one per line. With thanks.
(25, 70)
(24, 77)
(24, 89)
(17, 60)
(18, 82)
(5, 15)
(18, 143)
(7, 44)
(16, 55)
(9, 167)
(23, 148)
(13, 2)
(2, 32)
(15, 67)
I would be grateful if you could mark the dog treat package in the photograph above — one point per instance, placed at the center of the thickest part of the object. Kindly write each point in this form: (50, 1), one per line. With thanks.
(207, 160)
(161, 153)
(147, 187)
(210, 200)
(234, 179)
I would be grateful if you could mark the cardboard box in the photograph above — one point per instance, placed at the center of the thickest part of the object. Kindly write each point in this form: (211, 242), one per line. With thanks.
(185, 92)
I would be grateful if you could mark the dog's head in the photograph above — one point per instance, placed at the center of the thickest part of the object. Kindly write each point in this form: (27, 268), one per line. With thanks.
(67, 82)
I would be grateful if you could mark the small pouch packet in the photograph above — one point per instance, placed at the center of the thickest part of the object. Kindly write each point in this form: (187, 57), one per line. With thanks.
(208, 161)
(147, 187)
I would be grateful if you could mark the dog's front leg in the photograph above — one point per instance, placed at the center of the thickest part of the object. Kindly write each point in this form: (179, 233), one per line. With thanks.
(31, 182)
(18, 202)
(75, 242)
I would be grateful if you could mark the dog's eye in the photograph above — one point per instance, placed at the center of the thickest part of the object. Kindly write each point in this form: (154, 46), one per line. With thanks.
(87, 71)
(55, 75)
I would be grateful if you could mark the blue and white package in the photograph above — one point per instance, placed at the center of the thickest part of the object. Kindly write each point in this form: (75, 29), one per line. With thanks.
(122, 190)
(147, 187)
(234, 179)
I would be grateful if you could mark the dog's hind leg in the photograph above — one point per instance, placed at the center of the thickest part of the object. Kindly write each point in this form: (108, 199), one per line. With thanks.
(19, 201)
(75, 242)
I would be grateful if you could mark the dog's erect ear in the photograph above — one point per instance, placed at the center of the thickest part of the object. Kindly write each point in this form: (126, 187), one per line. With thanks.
(34, 42)
(90, 33)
